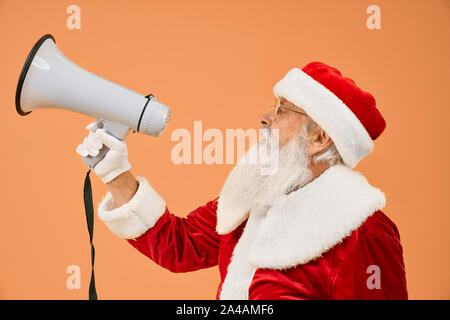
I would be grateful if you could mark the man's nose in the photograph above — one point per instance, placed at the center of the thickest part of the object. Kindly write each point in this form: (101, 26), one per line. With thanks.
(266, 119)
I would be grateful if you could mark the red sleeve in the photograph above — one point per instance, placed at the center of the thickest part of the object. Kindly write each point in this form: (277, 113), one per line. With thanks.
(182, 244)
(373, 270)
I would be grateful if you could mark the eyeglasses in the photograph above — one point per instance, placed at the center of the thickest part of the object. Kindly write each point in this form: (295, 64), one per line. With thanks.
(278, 108)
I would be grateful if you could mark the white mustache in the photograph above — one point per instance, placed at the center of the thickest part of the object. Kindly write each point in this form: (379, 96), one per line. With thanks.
(265, 132)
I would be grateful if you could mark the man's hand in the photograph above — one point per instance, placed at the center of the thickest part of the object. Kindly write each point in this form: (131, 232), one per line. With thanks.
(115, 161)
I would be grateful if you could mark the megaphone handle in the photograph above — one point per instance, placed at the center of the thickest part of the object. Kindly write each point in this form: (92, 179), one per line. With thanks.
(91, 162)
(115, 129)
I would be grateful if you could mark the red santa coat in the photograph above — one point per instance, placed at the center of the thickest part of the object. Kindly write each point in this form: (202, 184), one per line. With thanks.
(327, 240)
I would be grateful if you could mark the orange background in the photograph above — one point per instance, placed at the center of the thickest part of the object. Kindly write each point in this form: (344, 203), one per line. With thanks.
(214, 61)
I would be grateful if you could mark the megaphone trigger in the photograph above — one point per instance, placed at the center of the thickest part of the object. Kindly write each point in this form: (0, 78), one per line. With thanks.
(113, 131)
(91, 162)
(93, 126)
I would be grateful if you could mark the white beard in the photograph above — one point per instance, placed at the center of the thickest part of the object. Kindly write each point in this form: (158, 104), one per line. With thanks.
(248, 189)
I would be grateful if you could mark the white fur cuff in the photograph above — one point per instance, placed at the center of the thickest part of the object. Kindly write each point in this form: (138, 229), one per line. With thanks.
(135, 217)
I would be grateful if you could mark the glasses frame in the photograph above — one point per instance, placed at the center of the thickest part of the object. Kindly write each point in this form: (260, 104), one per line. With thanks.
(277, 106)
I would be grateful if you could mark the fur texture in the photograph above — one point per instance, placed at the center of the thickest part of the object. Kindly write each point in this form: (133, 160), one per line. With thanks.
(350, 137)
(304, 224)
(240, 270)
(247, 188)
(301, 226)
(135, 217)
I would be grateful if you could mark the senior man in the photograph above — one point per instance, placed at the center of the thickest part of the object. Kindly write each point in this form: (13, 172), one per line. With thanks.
(313, 229)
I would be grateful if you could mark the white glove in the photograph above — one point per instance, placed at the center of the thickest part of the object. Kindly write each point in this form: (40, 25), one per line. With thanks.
(115, 161)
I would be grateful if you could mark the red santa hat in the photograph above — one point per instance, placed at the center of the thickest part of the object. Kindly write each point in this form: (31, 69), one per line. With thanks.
(346, 113)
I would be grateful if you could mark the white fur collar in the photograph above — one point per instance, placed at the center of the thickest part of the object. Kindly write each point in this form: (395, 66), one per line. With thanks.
(304, 224)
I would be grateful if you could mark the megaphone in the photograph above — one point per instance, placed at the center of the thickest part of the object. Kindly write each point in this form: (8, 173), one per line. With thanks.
(50, 80)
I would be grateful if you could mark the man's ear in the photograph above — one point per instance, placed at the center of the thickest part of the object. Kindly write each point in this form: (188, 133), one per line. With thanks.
(319, 140)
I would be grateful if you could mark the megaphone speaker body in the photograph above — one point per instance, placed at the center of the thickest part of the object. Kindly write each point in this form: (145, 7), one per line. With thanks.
(50, 80)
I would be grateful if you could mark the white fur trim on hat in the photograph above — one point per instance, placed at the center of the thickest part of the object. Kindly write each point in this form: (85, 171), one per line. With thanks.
(348, 134)
(135, 217)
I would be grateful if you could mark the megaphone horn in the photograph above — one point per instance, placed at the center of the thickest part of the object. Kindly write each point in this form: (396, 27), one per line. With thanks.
(49, 80)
